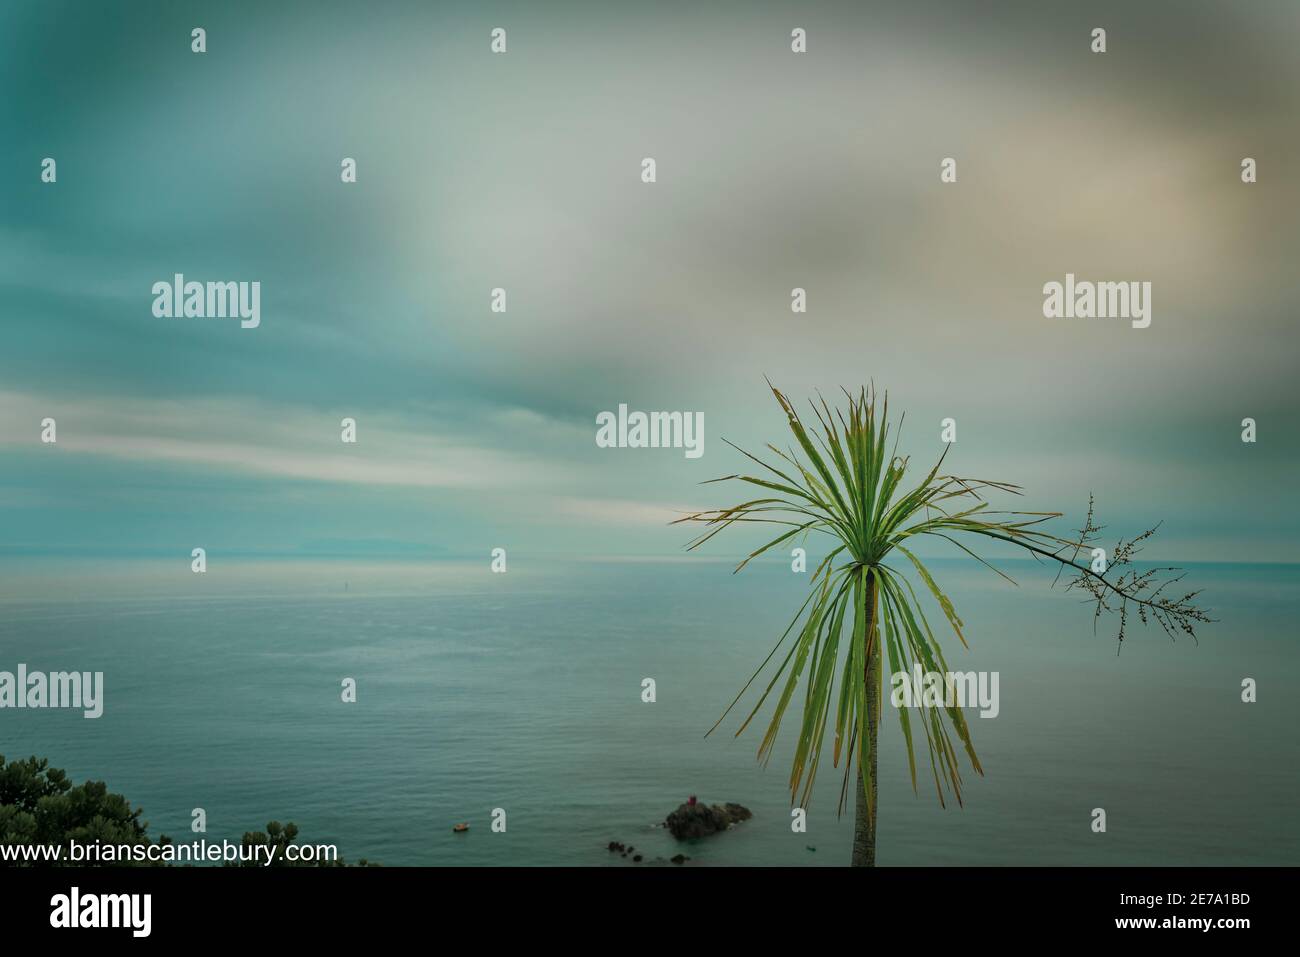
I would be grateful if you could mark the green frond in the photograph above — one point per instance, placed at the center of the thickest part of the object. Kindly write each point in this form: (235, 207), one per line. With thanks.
(837, 480)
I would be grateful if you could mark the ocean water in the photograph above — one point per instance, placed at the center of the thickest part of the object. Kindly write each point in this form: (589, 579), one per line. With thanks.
(523, 691)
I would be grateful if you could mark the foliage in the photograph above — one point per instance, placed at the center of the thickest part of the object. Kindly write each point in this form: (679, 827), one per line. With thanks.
(280, 836)
(39, 805)
(845, 482)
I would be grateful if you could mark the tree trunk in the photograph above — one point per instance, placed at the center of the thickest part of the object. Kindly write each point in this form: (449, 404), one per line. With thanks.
(864, 819)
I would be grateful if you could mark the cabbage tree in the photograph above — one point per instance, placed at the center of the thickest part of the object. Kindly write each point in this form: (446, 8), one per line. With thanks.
(842, 481)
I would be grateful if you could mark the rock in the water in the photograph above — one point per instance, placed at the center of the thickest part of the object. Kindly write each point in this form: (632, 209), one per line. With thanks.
(679, 858)
(701, 820)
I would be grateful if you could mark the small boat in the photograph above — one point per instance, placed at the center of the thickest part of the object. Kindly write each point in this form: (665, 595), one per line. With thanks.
(460, 828)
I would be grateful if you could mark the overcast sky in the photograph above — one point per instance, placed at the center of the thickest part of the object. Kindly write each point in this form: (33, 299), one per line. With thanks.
(522, 171)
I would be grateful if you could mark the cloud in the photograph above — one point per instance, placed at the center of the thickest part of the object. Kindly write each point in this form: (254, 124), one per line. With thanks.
(621, 512)
(246, 436)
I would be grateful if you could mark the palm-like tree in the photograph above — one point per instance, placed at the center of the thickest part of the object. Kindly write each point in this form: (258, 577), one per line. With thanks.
(840, 482)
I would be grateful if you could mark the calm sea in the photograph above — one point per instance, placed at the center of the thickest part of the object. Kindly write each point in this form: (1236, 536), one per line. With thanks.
(523, 691)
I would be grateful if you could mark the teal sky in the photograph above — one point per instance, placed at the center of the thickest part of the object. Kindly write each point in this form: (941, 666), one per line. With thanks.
(820, 170)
